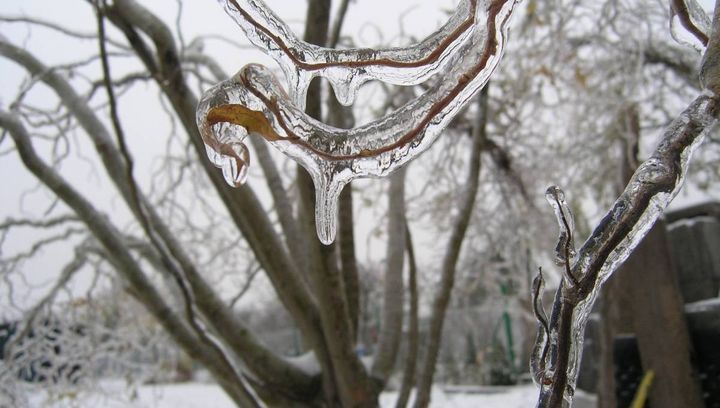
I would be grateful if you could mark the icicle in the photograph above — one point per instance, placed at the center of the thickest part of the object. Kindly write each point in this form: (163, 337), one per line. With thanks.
(253, 99)
(326, 201)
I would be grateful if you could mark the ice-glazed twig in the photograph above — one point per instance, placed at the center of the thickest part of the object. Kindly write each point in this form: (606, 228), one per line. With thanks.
(565, 249)
(652, 187)
(253, 102)
(692, 18)
(539, 353)
(348, 69)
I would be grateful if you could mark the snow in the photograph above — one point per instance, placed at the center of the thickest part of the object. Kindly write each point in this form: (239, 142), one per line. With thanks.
(307, 362)
(473, 397)
(117, 394)
(706, 305)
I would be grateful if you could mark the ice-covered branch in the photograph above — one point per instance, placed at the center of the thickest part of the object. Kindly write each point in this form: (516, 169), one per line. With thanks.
(652, 187)
(255, 101)
(565, 249)
(540, 347)
(348, 69)
(556, 356)
(691, 16)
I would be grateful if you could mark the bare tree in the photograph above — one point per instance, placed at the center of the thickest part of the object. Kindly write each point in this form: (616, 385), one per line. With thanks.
(181, 244)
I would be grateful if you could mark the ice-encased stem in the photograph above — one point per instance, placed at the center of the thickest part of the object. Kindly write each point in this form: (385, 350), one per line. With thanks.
(254, 100)
(688, 16)
(565, 248)
(650, 190)
(538, 356)
(348, 69)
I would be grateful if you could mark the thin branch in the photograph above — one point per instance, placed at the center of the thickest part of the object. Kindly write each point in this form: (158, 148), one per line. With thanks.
(45, 223)
(413, 335)
(40, 244)
(250, 275)
(334, 36)
(60, 29)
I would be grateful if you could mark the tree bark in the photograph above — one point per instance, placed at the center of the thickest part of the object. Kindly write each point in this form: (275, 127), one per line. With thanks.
(349, 377)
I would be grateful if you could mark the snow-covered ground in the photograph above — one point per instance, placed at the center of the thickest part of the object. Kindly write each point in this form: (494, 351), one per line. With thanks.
(199, 395)
(116, 394)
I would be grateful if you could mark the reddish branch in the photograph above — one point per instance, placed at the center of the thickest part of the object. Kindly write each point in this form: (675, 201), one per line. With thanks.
(258, 124)
(356, 62)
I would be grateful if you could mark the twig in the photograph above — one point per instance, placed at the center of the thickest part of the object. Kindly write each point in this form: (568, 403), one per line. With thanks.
(337, 25)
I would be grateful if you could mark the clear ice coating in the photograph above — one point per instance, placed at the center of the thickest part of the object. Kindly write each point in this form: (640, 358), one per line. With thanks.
(699, 25)
(653, 186)
(465, 51)
(538, 355)
(565, 249)
(349, 68)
